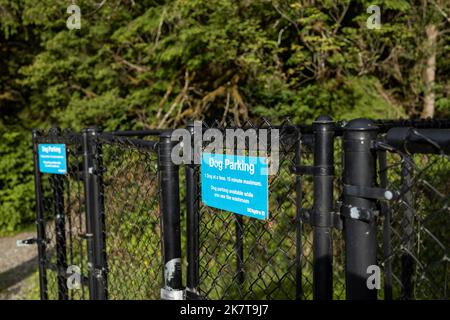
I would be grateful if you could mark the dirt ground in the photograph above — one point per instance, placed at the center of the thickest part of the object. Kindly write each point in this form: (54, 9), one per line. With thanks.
(17, 267)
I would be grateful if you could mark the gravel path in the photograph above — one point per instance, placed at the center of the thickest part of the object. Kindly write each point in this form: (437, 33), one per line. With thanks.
(17, 264)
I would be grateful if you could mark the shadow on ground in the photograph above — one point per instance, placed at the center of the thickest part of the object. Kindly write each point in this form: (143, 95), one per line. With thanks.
(11, 277)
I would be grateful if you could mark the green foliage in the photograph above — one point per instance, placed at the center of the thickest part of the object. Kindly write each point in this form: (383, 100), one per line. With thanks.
(141, 64)
(16, 182)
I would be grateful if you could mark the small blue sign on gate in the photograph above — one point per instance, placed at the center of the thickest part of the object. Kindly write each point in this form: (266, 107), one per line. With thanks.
(236, 183)
(52, 158)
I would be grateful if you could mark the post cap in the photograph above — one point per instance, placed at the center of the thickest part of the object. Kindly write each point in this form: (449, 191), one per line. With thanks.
(361, 124)
(166, 134)
(323, 119)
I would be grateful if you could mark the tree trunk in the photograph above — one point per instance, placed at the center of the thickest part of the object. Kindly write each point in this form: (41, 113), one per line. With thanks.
(430, 71)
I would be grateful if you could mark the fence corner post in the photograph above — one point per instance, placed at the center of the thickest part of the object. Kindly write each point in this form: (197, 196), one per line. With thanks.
(95, 224)
(323, 128)
(170, 213)
(359, 205)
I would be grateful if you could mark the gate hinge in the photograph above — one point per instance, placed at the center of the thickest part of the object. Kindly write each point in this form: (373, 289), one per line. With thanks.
(308, 217)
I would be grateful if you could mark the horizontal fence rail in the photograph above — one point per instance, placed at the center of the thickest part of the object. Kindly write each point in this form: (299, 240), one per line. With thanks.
(357, 210)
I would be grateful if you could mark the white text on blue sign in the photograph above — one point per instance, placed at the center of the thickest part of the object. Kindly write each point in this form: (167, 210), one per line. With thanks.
(52, 158)
(235, 183)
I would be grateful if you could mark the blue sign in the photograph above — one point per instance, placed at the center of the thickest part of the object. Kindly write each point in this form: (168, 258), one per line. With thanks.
(236, 183)
(52, 158)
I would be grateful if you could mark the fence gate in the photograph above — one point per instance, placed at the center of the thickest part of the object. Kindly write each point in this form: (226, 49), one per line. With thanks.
(99, 223)
(61, 227)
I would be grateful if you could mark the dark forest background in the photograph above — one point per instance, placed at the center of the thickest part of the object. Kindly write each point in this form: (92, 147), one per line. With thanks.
(153, 64)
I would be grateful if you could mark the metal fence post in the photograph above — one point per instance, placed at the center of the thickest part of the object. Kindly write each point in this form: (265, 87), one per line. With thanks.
(192, 223)
(358, 207)
(95, 225)
(170, 212)
(60, 229)
(323, 128)
(40, 220)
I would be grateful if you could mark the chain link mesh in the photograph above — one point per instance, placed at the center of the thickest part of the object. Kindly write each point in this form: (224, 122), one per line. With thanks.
(132, 218)
(244, 258)
(417, 238)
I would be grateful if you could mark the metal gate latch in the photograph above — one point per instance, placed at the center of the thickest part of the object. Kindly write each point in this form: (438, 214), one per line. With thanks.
(26, 242)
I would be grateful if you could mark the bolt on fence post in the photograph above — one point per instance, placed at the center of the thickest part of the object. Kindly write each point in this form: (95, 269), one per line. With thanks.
(192, 223)
(407, 224)
(359, 234)
(170, 212)
(323, 128)
(40, 220)
(95, 224)
(60, 229)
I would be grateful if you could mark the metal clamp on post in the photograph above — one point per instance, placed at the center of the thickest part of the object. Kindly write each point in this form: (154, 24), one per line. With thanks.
(368, 192)
(336, 218)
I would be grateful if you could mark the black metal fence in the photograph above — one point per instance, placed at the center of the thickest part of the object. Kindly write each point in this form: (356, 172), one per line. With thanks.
(347, 198)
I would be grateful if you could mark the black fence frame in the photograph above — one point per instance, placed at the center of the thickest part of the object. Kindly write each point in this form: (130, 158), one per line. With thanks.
(364, 147)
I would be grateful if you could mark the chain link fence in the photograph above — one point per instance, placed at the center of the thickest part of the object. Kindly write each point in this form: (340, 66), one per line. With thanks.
(416, 228)
(106, 216)
(245, 258)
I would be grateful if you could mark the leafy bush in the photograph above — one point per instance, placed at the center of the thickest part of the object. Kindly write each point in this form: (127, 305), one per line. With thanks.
(16, 182)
